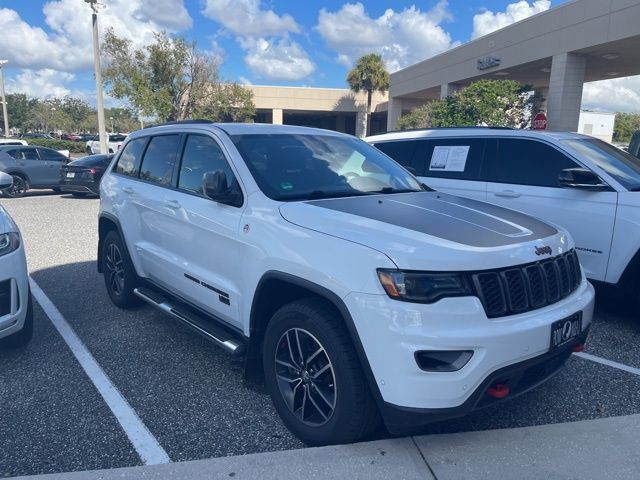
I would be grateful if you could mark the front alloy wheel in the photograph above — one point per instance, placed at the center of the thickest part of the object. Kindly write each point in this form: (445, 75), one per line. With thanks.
(114, 269)
(18, 188)
(305, 377)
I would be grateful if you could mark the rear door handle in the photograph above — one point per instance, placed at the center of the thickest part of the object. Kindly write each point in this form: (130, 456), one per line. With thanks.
(127, 190)
(172, 204)
(507, 194)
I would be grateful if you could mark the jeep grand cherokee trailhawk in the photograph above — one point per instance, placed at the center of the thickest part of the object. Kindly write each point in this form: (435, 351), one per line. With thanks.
(353, 290)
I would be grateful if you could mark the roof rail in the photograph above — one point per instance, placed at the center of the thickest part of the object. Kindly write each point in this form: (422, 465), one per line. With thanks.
(180, 122)
(487, 127)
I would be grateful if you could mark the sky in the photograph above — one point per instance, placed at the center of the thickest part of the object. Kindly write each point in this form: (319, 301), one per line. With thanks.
(265, 42)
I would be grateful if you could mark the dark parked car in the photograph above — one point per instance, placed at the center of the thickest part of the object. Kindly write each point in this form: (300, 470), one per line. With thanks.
(82, 177)
(31, 167)
(35, 135)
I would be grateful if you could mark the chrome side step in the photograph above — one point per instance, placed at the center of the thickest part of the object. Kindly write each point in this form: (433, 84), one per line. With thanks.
(207, 328)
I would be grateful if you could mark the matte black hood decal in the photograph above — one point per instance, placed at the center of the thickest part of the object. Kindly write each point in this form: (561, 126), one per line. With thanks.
(456, 219)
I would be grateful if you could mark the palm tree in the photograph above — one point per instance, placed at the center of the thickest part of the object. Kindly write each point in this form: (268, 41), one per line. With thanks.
(369, 75)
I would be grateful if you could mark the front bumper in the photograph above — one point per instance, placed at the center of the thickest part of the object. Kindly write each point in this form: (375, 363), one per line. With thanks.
(391, 332)
(13, 274)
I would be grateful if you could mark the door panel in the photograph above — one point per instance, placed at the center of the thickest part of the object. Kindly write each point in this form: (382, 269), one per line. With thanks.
(54, 162)
(28, 161)
(524, 175)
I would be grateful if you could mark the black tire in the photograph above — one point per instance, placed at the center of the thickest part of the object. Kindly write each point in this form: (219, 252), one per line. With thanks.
(89, 151)
(119, 274)
(346, 411)
(21, 338)
(56, 189)
(19, 187)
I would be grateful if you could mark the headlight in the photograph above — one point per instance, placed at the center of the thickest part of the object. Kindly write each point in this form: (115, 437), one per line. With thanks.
(423, 287)
(9, 242)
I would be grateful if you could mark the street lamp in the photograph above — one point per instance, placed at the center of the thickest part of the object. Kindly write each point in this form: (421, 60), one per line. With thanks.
(111, 118)
(98, 73)
(4, 102)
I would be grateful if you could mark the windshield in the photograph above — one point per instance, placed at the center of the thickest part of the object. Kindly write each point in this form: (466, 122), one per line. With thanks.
(301, 167)
(625, 168)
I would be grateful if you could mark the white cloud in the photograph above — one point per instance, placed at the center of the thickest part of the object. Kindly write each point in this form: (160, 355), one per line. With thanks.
(276, 59)
(402, 38)
(616, 95)
(244, 81)
(67, 46)
(45, 83)
(245, 17)
(488, 21)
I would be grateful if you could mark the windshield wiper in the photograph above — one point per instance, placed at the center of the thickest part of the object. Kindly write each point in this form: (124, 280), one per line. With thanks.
(396, 190)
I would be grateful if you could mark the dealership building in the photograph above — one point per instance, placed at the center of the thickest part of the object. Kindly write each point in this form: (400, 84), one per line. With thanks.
(556, 52)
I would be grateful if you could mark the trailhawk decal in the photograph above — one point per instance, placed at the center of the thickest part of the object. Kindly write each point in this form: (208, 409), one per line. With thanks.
(459, 220)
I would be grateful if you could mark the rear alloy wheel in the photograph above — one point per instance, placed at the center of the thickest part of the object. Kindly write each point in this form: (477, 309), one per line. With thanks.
(314, 377)
(89, 151)
(18, 188)
(119, 275)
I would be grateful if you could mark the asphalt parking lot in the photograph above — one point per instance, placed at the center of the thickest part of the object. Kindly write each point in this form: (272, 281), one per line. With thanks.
(189, 395)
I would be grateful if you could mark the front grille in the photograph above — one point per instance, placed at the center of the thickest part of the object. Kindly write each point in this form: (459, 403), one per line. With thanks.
(5, 297)
(525, 288)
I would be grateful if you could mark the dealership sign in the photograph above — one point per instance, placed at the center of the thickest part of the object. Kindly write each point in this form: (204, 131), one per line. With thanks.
(540, 122)
(488, 62)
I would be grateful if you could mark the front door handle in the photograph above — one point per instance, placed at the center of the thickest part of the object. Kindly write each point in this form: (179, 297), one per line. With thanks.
(172, 204)
(507, 194)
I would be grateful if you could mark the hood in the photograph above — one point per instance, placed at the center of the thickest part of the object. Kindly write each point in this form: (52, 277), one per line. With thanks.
(432, 230)
(6, 223)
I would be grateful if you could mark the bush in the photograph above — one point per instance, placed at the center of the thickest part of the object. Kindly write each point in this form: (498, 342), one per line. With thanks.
(73, 147)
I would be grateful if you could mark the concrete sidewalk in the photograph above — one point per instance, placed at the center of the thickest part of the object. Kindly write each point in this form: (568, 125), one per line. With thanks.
(592, 449)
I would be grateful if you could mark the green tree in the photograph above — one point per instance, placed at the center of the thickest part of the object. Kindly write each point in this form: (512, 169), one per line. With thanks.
(505, 103)
(77, 110)
(419, 117)
(17, 110)
(370, 75)
(169, 79)
(228, 102)
(623, 128)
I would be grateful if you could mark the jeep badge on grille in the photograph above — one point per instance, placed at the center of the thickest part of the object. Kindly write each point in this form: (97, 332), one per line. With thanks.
(544, 250)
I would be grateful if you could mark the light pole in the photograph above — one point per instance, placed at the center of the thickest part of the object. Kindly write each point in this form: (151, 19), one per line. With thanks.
(98, 73)
(111, 118)
(4, 102)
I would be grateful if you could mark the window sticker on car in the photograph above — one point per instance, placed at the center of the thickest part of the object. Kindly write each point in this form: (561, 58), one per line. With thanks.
(449, 158)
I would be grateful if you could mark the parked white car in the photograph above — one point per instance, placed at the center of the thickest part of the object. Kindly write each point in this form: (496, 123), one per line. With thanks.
(351, 289)
(16, 312)
(587, 186)
(114, 142)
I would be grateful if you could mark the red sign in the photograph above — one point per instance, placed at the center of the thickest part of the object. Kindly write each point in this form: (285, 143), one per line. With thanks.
(540, 122)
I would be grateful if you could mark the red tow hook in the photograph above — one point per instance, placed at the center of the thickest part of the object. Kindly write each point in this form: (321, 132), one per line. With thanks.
(578, 347)
(499, 390)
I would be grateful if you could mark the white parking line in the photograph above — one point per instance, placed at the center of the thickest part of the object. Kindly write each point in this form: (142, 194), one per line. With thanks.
(148, 448)
(610, 363)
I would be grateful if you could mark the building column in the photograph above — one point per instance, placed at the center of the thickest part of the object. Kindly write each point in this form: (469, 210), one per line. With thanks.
(394, 112)
(276, 115)
(565, 92)
(447, 89)
(544, 93)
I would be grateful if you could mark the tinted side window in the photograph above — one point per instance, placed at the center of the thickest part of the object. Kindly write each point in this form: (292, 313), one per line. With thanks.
(202, 154)
(129, 161)
(25, 154)
(51, 155)
(527, 162)
(459, 159)
(402, 151)
(17, 154)
(159, 159)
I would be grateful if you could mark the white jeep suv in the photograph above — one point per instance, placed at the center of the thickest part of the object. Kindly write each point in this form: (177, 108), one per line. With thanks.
(16, 312)
(587, 186)
(352, 290)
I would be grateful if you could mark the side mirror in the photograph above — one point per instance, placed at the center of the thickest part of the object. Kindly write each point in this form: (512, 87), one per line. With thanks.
(214, 186)
(5, 180)
(582, 179)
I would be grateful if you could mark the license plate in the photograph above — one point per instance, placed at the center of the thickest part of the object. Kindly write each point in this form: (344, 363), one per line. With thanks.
(563, 331)
(71, 174)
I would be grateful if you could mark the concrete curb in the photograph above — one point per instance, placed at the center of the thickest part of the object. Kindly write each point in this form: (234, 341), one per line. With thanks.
(592, 449)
